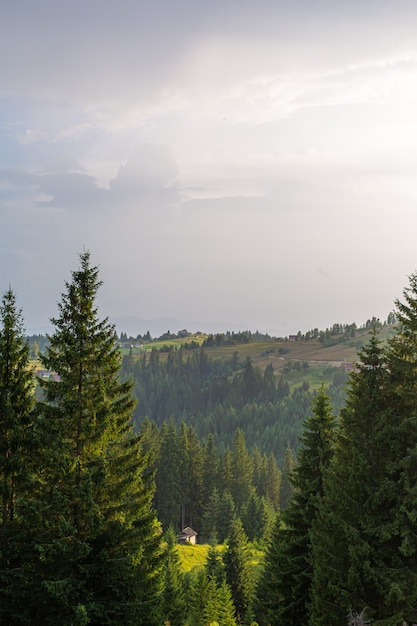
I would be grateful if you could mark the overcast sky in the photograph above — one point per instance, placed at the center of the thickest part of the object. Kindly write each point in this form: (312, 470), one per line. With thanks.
(229, 164)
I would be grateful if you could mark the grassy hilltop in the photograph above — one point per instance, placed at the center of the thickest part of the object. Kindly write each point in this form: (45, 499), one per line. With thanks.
(296, 360)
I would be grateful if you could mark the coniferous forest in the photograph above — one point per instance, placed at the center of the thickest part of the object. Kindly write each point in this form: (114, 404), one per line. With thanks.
(106, 460)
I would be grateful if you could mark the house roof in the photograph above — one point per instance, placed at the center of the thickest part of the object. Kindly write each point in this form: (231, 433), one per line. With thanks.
(188, 532)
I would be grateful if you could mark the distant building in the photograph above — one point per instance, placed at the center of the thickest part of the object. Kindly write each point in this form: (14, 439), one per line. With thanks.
(47, 375)
(187, 535)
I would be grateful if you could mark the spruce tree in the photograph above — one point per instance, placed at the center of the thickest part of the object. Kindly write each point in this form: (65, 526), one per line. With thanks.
(96, 537)
(195, 481)
(283, 593)
(17, 446)
(191, 475)
(210, 470)
(226, 516)
(272, 485)
(251, 517)
(219, 606)
(358, 553)
(173, 597)
(214, 565)
(242, 470)
(267, 599)
(197, 597)
(211, 518)
(238, 569)
(168, 478)
(287, 470)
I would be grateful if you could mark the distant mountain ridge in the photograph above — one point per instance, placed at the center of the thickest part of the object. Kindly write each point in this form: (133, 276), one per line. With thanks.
(134, 326)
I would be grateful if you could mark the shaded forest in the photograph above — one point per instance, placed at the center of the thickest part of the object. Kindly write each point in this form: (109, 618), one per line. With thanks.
(217, 396)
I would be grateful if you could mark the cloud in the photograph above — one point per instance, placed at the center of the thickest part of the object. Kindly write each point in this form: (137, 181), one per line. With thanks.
(17, 177)
(211, 155)
(147, 59)
(151, 172)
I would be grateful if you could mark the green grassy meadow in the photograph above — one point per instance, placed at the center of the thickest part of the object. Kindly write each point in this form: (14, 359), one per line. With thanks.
(193, 557)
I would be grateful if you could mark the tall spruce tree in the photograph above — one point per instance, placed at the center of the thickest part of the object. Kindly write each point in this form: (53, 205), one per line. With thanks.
(283, 592)
(219, 606)
(242, 470)
(210, 519)
(287, 470)
(359, 557)
(272, 484)
(174, 611)
(191, 476)
(17, 446)
(238, 570)
(96, 539)
(210, 469)
(168, 478)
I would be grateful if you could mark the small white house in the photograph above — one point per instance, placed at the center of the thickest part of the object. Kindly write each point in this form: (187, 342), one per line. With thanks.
(187, 535)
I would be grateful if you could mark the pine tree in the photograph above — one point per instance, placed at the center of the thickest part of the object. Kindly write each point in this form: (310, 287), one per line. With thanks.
(258, 516)
(283, 592)
(16, 448)
(225, 472)
(219, 607)
(272, 485)
(267, 599)
(242, 470)
(150, 440)
(184, 463)
(238, 569)
(211, 518)
(214, 565)
(226, 516)
(191, 475)
(210, 469)
(251, 517)
(95, 535)
(197, 597)
(174, 600)
(195, 484)
(287, 470)
(269, 384)
(358, 553)
(168, 478)
(250, 382)
(259, 470)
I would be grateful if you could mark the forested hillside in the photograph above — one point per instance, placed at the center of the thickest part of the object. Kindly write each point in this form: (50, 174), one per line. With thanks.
(297, 472)
(224, 382)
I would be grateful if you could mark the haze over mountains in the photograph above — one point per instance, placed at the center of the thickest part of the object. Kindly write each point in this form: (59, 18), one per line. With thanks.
(253, 167)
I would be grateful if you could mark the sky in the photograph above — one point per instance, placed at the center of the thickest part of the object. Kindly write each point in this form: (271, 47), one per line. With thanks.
(229, 164)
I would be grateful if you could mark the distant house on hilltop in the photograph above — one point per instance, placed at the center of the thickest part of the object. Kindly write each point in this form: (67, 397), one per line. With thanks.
(187, 535)
(47, 375)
